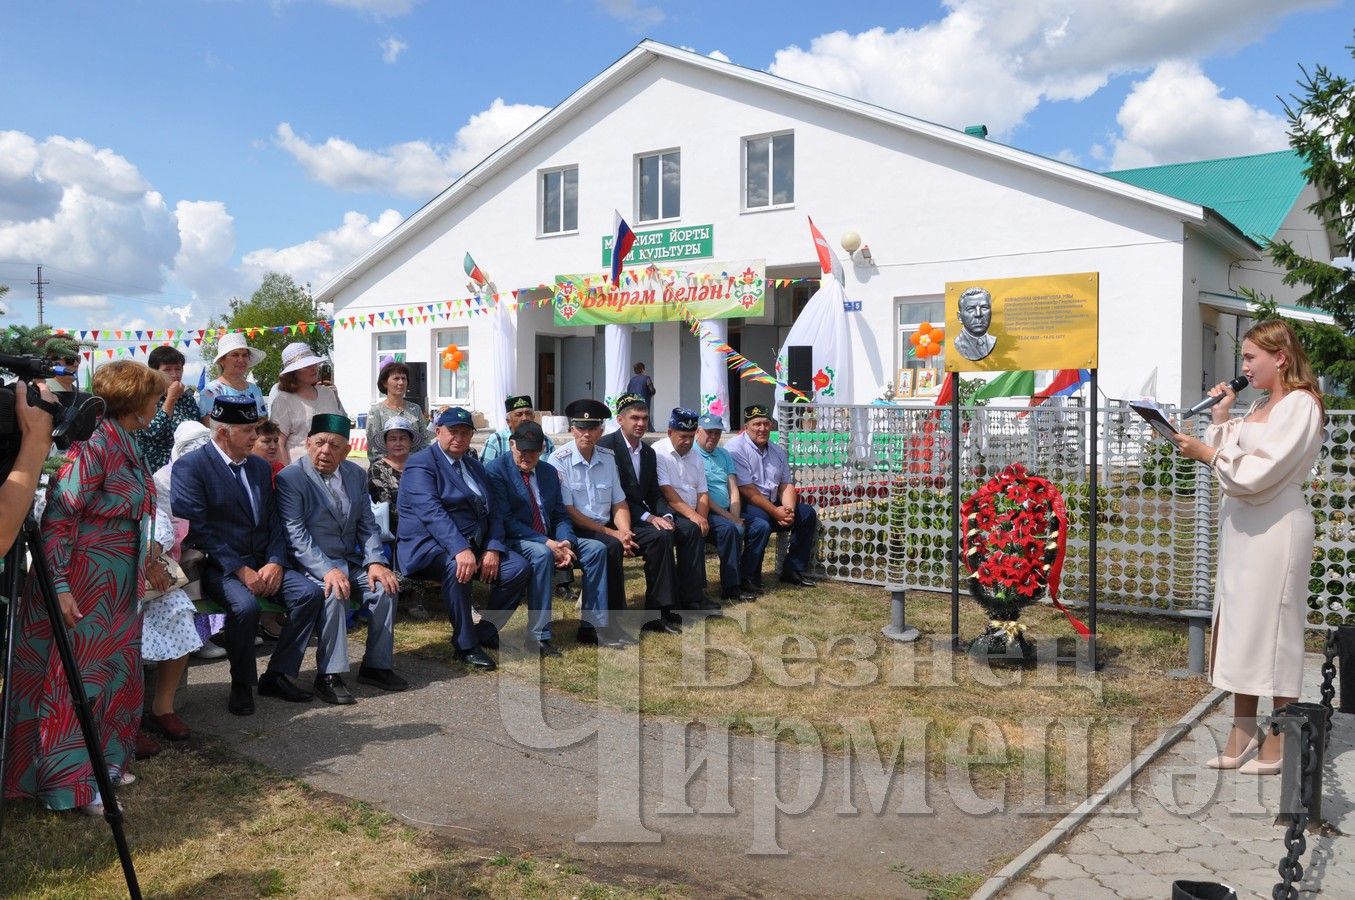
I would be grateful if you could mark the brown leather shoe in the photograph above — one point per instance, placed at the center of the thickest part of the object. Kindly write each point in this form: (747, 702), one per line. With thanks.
(146, 747)
(169, 725)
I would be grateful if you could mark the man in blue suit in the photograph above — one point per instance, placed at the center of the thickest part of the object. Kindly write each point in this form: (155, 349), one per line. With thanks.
(537, 525)
(450, 531)
(226, 495)
(326, 511)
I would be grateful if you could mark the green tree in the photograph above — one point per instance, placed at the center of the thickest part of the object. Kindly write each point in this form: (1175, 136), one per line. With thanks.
(279, 301)
(37, 340)
(1322, 130)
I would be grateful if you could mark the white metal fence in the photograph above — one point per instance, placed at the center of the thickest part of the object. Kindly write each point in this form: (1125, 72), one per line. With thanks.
(880, 478)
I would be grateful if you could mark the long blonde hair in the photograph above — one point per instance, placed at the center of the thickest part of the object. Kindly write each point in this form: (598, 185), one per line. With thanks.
(1275, 336)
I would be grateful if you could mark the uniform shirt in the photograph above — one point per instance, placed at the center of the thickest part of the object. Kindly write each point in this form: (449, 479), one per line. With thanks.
(498, 445)
(684, 474)
(766, 469)
(719, 466)
(593, 486)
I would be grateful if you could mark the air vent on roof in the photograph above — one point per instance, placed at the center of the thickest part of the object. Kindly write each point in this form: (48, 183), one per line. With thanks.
(978, 131)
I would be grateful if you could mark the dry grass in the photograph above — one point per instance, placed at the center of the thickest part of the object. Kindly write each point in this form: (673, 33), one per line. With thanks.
(818, 656)
(202, 823)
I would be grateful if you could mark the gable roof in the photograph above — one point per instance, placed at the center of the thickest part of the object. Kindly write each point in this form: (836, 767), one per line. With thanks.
(648, 52)
(1256, 193)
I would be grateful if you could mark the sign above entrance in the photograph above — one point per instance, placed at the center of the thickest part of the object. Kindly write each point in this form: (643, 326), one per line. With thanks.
(1018, 324)
(665, 245)
(717, 290)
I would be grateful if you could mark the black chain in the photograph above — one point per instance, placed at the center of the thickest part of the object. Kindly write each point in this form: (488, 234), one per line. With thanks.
(1295, 842)
(1328, 678)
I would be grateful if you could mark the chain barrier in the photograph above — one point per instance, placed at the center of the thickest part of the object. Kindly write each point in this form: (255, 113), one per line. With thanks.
(1295, 837)
(1328, 690)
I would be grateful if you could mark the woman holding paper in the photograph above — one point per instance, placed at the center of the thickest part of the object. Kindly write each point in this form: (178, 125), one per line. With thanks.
(1266, 536)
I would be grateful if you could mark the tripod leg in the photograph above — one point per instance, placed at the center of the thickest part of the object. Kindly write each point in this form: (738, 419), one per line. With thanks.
(9, 587)
(62, 639)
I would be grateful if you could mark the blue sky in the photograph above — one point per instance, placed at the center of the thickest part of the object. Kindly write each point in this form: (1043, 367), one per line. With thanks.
(159, 156)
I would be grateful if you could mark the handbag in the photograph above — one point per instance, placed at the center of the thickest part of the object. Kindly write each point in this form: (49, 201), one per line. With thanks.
(381, 511)
(177, 579)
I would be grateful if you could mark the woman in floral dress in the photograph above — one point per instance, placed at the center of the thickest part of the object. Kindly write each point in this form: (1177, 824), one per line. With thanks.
(96, 530)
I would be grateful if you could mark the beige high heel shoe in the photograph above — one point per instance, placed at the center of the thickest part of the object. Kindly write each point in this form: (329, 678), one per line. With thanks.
(1234, 762)
(1259, 767)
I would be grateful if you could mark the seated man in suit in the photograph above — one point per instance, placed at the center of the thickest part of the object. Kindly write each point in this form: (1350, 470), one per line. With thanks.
(767, 487)
(225, 493)
(322, 501)
(591, 490)
(537, 524)
(639, 471)
(739, 541)
(450, 531)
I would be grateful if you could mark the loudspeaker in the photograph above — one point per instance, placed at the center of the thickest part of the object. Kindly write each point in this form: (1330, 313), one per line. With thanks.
(799, 370)
(418, 385)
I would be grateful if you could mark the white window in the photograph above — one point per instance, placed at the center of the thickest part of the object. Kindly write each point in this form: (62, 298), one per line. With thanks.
(387, 348)
(769, 171)
(453, 387)
(560, 200)
(658, 186)
(915, 374)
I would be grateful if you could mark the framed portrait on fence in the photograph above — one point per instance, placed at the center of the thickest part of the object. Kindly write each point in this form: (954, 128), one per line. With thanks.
(926, 383)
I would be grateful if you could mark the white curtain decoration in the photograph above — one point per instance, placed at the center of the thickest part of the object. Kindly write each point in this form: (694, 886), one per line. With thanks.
(714, 371)
(503, 370)
(617, 340)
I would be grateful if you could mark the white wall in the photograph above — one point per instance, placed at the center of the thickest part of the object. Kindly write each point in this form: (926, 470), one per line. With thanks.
(930, 212)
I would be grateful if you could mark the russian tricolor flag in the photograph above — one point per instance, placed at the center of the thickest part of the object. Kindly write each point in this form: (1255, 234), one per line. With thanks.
(622, 240)
(1066, 382)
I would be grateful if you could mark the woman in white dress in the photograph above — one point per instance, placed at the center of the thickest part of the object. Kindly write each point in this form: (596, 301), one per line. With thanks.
(300, 397)
(1266, 536)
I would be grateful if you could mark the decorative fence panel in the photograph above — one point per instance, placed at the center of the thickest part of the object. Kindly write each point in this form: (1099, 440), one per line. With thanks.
(880, 478)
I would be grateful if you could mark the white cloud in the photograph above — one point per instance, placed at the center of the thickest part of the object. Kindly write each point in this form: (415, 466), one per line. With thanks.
(318, 260)
(1177, 114)
(993, 61)
(382, 9)
(96, 302)
(203, 264)
(391, 48)
(85, 211)
(183, 313)
(415, 168)
(1068, 156)
(632, 12)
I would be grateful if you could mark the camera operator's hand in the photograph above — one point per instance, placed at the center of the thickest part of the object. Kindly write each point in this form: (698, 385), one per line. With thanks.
(34, 421)
(69, 611)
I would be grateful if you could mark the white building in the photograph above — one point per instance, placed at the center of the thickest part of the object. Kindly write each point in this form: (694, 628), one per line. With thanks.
(748, 156)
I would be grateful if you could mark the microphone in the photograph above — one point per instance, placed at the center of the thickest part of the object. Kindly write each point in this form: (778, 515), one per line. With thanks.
(1237, 385)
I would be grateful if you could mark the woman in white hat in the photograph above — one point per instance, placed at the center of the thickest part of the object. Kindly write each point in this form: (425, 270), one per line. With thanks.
(234, 359)
(301, 397)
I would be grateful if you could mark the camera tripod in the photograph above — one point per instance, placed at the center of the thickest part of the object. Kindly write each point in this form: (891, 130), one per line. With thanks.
(10, 584)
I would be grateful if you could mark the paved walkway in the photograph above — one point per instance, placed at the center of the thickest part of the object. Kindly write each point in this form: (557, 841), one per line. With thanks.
(1181, 820)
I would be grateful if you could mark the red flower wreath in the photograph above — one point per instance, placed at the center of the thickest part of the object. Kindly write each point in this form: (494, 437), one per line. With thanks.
(1015, 538)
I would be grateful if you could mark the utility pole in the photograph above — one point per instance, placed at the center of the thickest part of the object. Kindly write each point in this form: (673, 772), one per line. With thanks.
(40, 283)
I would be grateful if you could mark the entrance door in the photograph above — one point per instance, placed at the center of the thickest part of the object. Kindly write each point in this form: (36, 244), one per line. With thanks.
(576, 369)
(545, 381)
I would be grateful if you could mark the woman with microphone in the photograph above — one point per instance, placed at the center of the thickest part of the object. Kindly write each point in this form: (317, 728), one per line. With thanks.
(1266, 535)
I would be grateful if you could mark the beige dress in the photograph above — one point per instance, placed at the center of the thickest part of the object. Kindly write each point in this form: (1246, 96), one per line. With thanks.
(1266, 539)
(293, 413)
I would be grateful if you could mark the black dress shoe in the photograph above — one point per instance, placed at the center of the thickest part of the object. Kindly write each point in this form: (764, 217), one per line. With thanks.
(385, 679)
(704, 603)
(796, 578)
(275, 684)
(477, 659)
(542, 648)
(331, 689)
(241, 702)
(662, 626)
(749, 586)
(738, 595)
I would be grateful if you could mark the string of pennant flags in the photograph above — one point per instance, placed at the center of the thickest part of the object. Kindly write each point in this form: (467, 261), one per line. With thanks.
(410, 314)
(736, 362)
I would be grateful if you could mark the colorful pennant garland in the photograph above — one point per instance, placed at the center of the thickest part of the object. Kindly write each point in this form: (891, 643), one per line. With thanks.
(737, 362)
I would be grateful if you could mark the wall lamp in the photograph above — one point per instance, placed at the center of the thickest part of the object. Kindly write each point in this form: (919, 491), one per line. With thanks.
(851, 242)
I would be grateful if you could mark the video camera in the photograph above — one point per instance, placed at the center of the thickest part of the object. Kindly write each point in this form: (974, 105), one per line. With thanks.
(74, 415)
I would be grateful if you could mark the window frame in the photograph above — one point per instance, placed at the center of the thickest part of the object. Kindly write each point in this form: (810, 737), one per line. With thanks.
(440, 342)
(541, 192)
(663, 215)
(905, 327)
(744, 147)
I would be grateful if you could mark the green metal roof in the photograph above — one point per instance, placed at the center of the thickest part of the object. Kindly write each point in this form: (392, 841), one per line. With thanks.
(1255, 193)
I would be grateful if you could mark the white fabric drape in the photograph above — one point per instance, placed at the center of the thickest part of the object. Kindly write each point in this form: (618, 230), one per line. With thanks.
(823, 326)
(714, 372)
(617, 341)
(503, 368)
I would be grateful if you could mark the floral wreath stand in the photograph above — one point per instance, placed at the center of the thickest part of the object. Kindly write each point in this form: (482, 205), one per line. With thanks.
(1014, 539)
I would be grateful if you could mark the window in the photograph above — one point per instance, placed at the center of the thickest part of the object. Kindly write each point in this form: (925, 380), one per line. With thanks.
(388, 347)
(560, 201)
(658, 186)
(453, 387)
(910, 378)
(769, 171)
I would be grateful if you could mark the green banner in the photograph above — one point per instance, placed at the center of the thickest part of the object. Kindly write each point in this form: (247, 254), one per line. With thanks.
(719, 290)
(665, 245)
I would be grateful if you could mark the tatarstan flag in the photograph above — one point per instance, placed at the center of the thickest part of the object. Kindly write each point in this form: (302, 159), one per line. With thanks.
(473, 271)
(1008, 384)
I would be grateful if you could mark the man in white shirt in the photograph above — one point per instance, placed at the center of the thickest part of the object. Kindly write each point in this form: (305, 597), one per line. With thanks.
(682, 481)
